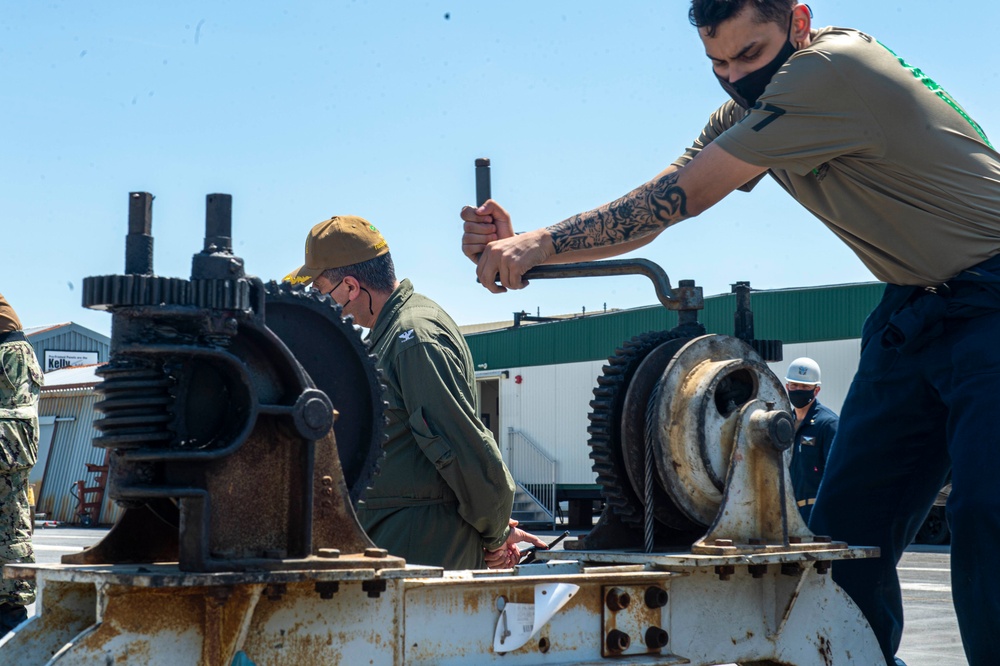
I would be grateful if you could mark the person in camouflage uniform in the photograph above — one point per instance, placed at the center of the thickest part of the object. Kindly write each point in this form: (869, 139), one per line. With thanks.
(20, 381)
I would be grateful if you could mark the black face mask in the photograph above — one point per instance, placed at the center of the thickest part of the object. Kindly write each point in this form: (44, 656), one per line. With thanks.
(746, 90)
(801, 398)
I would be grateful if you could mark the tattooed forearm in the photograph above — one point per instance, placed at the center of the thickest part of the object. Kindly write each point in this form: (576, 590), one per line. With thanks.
(643, 211)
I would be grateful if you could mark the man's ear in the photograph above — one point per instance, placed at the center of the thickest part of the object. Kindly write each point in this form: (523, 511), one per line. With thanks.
(801, 25)
(352, 285)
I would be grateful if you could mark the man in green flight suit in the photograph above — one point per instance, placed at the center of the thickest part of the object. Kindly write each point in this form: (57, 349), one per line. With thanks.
(443, 496)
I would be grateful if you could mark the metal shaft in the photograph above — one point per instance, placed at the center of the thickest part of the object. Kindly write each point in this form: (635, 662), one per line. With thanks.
(483, 193)
(139, 241)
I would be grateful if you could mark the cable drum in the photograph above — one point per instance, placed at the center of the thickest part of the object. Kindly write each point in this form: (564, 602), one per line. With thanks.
(693, 415)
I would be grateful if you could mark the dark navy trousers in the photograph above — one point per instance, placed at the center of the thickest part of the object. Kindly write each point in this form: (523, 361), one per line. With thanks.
(907, 419)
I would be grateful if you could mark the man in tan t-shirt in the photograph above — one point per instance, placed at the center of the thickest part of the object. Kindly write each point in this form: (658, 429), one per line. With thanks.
(894, 166)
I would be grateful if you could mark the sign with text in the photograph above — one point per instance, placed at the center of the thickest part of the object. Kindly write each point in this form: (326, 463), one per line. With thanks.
(57, 360)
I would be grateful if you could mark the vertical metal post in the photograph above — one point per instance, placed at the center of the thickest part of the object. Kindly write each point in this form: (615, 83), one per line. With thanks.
(743, 319)
(218, 222)
(139, 241)
(483, 187)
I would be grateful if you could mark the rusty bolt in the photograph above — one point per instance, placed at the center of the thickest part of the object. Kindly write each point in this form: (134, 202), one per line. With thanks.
(618, 641)
(757, 570)
(327, 480)
(327, 589)
(275, 591)
(725, 571)
(330, 553)
(617, 599)
(791, 569)
(822, 539)
(656, 597)
(374, 588)
(724, 543)
(794, 539)
(376, 552)
(822, 566)
(656, 638)
(755, 541)
(328, 492)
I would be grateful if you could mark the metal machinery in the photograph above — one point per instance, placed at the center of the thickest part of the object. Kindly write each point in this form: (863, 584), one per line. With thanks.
(243, 419)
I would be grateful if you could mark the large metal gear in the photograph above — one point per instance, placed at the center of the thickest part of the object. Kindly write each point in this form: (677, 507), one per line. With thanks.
(312, 328)
(605, 426)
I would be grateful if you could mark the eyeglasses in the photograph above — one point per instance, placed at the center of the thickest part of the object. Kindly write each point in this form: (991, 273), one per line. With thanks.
(327, 293)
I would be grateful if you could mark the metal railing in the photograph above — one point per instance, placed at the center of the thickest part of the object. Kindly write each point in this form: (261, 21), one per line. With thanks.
(533, 471)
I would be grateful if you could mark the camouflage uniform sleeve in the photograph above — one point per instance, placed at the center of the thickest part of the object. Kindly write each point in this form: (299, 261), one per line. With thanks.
(20, 381)
(444, 421)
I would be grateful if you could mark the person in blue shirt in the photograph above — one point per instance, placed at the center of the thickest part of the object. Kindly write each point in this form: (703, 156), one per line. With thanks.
(815, 427)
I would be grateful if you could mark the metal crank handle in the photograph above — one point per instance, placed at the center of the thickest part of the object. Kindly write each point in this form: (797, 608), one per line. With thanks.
(686, 297)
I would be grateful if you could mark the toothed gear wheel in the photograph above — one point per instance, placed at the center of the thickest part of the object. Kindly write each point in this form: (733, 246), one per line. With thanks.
(102, 292)
(221, 294)
(331, 350)
(606, 419)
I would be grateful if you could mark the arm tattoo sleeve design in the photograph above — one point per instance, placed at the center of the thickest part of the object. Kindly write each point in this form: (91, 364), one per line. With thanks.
(643, 211)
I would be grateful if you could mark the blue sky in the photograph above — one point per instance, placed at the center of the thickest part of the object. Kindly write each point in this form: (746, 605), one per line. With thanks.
(302, 110)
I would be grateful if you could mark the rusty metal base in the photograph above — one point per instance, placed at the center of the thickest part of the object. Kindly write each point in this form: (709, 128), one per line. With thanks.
(679, 608)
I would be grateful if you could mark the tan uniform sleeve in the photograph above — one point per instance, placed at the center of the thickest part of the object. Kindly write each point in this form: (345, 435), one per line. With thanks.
(444, 422)
(721, 120)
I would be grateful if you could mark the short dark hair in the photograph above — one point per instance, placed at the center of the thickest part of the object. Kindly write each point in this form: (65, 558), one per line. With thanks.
(709, 14)
(378, 274)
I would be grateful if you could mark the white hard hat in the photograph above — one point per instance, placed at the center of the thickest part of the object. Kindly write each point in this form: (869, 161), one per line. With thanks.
(803, 371)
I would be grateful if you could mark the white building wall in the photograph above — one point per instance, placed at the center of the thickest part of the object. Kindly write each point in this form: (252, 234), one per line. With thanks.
(550, 408)
(551, 403)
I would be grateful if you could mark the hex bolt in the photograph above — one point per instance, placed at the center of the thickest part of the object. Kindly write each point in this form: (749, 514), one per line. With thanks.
(724, 543)
(725, 571)
(656, 597)
(794, 539)
(275, 591)
(617, 641)
(329, 553)
(617, 599)
(327, 480)
(757, 570)
(822, 539)
(327, 589)
(791, 569)
(656, 638)
(374, 588)
(822, 566)
(376, 552)
(755, 541)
